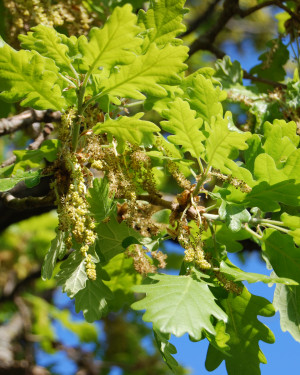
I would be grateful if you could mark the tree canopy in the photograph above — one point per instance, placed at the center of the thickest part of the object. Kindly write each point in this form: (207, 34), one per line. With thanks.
(126, 130)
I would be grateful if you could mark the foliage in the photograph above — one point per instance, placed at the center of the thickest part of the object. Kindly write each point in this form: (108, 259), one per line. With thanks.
(138, 126)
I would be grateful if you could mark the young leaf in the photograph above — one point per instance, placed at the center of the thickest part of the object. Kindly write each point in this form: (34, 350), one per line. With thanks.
(185, 127)
(56, 251)
(122, 278)
(29, 77)
(187, 309)
(203, 97)
(245, 331)
(48, 43)
(281, 140)
(48, 151)
(273, 185)
(239, 275)
(287, 302)
(147, 73)
(234, 215)
(294, 223)
(113, 44)
(163, 21)
(166, 349)
(72, 275)
(111, 236)
(101, 206)
(31, 178)
(92, 298)
(223, 144)
(130, 129)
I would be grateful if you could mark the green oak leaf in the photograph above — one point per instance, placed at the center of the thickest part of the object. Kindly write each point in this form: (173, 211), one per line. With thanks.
(182, 122)
(229, 73)
(203, 97)
(31, 178)
(223, 144)
(113, 44)
(287, 302)
(92, 298)
(281, 140)
(48, 150)
(72, 275)
(123, 277)
(30, 78)
(163, 21)
(245, 330)
(147, 74)
(179, 305)
(48, 42)
(272, 68)
(239, 275)
(225, 236)
(101, 205)
(56, 251)
(292, 222)
(282, 254)
(111, 236)
(274, 185)
(253, 150)
(130, 129)
(234, 215)
(166, 349)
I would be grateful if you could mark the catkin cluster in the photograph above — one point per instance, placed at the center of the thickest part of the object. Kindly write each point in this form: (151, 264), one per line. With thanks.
(71, 14)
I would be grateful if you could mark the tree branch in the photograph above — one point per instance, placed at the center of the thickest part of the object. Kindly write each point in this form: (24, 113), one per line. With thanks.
(230, 8)
(14, 210)
(202, 18)
(25, 119)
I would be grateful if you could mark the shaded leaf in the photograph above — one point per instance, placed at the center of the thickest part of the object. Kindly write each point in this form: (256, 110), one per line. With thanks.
(92, 298)
(72, 275)
(245, 331)
(282, 254)
(101, 205)
(234, 215)
(166, 349)
(287, 302)
(111, 236)
(56, 251)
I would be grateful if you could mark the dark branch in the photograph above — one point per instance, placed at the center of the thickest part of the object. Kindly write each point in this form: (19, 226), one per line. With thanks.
(263, 80)
(34, 201)
(230, 8)
(202, 18)
(27, 118)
